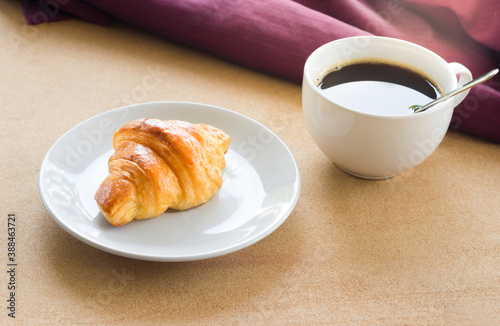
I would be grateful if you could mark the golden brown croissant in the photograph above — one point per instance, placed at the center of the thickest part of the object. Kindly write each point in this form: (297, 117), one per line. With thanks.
(161, 164)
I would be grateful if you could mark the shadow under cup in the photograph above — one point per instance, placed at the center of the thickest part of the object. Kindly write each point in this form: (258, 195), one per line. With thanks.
(369, 145)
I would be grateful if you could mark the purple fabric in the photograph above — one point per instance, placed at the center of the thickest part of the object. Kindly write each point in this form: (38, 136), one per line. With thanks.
(46, 11)
(276, 36)
(37, 13)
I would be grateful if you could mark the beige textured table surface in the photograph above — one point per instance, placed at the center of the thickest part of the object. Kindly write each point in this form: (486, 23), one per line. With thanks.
(422, 248)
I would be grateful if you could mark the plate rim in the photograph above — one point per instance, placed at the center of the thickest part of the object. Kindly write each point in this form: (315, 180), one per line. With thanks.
(173, 258)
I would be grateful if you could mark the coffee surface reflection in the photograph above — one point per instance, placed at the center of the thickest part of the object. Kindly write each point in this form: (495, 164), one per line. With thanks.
(376, 87)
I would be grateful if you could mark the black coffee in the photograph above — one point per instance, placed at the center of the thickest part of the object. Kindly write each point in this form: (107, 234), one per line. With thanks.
(377, 87)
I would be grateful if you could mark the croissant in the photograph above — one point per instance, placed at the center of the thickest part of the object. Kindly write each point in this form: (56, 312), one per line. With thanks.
(161, 164)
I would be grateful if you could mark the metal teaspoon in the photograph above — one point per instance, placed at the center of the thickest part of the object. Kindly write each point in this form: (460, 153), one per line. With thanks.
(478, 80)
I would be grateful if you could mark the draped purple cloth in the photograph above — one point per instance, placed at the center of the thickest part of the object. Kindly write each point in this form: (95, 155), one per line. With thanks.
(277, 36)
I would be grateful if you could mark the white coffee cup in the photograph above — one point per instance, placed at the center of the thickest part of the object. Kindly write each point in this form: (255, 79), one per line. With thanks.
(375, 146)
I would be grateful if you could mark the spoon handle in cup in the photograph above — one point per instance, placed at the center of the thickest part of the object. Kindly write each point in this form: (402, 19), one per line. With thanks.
(464, 87)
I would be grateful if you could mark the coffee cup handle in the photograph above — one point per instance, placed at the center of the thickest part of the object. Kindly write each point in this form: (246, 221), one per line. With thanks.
(464, 76)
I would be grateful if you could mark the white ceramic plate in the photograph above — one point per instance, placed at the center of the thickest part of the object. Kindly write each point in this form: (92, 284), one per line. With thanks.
(260, 188)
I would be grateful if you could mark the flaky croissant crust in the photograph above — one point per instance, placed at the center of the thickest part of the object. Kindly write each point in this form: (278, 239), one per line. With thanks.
(161, 164)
